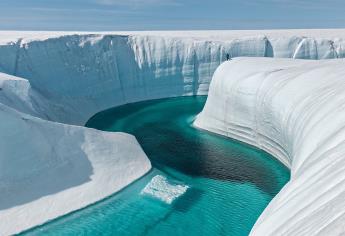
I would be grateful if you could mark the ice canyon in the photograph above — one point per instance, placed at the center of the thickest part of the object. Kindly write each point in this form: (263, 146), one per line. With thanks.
(51, 83)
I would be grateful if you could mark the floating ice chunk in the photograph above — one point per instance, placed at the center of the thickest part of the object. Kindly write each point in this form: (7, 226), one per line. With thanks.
(160, 188)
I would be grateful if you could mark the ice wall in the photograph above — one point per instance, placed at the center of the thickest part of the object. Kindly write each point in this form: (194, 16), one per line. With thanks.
(82, 74)
(294, 109)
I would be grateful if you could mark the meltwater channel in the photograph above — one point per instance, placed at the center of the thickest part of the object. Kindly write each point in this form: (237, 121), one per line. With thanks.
(210, 185)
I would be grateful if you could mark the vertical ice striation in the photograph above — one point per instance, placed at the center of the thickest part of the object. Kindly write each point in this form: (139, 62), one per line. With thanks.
(293, 109)
(82, 74)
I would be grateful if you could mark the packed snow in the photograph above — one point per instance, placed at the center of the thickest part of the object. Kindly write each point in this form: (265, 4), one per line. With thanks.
(293, 109)
(49, 168)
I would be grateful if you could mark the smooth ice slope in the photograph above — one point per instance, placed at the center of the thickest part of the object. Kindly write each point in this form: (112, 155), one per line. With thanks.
(49, 169)
(294, 109)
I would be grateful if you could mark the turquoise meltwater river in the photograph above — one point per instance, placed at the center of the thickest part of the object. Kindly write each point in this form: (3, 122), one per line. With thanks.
(218, 186)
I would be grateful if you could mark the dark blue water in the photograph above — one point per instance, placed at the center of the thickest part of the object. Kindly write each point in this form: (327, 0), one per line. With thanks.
(230, 183)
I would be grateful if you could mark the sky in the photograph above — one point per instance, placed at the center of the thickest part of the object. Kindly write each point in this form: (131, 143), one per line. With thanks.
(112, 15)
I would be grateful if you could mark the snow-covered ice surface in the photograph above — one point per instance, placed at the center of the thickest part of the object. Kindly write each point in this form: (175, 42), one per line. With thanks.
(49, 169)
(160, 188)
(294, 109)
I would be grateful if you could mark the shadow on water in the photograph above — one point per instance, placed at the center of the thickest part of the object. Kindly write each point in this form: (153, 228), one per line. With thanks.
(162, 129)
(199, 158)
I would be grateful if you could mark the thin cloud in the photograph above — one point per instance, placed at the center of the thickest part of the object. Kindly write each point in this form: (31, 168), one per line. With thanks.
(139, 3)
(303, 4)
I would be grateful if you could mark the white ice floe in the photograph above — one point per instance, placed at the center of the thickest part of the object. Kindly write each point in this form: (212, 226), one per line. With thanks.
(293, 109)
(160, 188)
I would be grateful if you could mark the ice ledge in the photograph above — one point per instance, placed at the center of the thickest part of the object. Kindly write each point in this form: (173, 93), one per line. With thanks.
(48, 169)
(295, 110)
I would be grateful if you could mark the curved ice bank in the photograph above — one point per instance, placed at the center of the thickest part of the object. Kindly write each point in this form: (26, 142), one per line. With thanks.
(48, 169)
(294, 109)
(84, 73)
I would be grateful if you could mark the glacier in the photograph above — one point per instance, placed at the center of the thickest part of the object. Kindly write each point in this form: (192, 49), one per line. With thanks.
(51, 83)
(293, 109)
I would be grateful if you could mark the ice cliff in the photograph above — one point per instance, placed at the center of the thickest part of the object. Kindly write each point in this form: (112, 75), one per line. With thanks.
(293, 109)
(51, 81)
(81, 74)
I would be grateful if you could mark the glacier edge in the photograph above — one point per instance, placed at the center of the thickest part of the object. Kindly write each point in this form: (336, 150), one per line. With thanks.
(294, 110)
